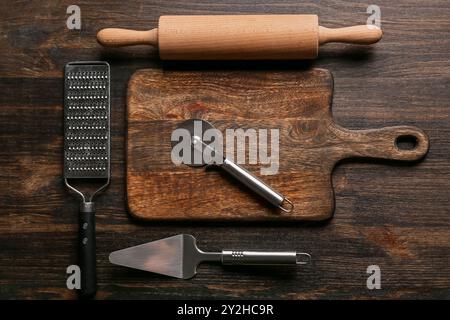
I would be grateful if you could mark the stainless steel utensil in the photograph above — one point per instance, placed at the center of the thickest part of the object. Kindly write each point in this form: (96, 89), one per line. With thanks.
(178, 256)
(87, 152)
(196, 129)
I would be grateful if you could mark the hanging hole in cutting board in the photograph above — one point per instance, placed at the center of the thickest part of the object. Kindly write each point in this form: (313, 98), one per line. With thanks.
(406, 142)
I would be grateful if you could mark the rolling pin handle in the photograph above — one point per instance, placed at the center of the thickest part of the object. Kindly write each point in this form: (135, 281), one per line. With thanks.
(116, 37)
(363, 34)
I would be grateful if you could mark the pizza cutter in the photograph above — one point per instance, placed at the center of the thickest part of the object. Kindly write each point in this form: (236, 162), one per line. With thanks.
(195, 129)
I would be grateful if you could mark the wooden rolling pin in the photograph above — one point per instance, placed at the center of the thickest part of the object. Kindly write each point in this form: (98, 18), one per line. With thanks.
(239, 37)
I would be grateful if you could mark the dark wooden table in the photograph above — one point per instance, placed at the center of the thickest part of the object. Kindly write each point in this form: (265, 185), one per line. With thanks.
(390, 215)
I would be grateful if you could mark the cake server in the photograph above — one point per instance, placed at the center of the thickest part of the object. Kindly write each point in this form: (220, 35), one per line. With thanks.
(178, 256)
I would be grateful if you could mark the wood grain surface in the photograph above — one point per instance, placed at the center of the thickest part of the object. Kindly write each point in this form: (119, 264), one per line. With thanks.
(296, 103)
(396, 217)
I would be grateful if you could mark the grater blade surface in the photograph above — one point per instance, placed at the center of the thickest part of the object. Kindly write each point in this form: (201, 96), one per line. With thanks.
(87, 120)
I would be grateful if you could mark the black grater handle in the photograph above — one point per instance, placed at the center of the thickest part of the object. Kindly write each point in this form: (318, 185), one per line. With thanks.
(86, 253)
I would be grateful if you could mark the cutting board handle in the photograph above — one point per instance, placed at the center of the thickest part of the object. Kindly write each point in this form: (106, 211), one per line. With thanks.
(386, 143)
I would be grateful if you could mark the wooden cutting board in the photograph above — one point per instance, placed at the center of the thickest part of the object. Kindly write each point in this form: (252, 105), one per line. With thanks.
(298, 103)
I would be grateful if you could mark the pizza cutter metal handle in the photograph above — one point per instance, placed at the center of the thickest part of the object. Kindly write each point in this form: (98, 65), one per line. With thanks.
(244, 257)
(257, 186)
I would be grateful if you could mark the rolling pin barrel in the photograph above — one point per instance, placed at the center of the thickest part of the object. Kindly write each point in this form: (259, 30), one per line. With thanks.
(239, 37)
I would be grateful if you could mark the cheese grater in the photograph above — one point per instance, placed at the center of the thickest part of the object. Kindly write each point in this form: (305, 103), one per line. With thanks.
(87, 153)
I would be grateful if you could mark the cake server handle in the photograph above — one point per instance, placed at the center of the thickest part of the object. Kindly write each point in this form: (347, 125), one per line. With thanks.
(234, 257)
